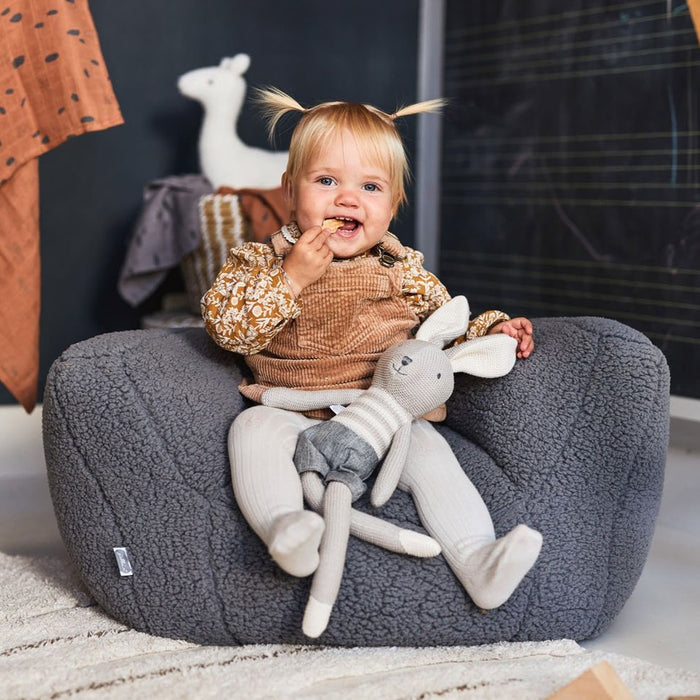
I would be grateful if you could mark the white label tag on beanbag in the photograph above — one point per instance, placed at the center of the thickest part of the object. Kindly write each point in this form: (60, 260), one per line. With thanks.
(123, 561)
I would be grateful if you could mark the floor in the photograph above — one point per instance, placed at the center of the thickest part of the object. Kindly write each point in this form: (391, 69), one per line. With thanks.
(660, 623)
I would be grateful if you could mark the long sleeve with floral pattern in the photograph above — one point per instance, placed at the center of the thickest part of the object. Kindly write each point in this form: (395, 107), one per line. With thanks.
(250, 301)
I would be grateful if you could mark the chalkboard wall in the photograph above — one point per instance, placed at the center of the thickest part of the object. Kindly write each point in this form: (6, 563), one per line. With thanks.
(91, 187)
(571, 178)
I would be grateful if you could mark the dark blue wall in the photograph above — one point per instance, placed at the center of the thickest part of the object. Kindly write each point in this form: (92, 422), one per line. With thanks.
(91, 187)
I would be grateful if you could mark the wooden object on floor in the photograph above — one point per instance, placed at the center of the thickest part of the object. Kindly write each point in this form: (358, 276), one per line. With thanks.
(599, 681)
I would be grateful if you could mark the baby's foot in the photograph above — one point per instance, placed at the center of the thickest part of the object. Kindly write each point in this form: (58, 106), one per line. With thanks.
(295, 540)
(493, 572)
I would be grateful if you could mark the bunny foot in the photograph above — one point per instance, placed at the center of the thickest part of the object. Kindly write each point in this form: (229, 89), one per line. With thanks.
(295, 540)
(494, 570)
(418, 545)
(316, 617)
(384, 534)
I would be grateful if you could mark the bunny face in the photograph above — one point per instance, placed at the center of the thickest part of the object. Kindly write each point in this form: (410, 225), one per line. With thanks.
(417, 374)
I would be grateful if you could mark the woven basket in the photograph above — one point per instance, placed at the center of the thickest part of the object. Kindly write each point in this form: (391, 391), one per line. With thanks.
(222, 225)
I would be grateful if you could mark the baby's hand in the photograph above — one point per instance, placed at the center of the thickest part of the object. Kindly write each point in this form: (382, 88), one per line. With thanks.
(521, 329)
(308, 259)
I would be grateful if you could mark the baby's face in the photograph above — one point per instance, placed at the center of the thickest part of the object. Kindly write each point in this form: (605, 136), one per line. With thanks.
(341, 183)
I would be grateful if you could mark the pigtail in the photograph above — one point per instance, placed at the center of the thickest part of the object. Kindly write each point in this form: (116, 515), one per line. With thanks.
(274, 104)
(429, 106)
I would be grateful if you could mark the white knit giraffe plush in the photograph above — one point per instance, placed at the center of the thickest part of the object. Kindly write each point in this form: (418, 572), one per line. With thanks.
(224, 158)
(334, 458)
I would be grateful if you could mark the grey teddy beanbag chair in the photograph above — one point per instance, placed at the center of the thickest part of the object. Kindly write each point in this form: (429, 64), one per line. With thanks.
(571, 442)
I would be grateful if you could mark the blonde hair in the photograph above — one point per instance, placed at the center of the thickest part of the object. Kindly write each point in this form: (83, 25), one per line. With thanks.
(375, 131)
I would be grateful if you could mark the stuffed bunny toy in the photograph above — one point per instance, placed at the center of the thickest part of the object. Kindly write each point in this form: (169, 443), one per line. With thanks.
(334, 457)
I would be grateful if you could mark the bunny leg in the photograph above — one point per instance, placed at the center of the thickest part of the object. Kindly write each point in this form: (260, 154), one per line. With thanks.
(392, 537)
(454, 513)
(337, 503)
(266, 485)
(372, 529)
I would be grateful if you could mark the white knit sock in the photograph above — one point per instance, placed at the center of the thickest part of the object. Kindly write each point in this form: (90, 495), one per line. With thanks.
(491, 572)
(453, 512)
(294, 542)
(268, 491)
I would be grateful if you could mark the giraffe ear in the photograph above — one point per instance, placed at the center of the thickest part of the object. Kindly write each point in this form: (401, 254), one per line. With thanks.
(239, 64)
(446, 323)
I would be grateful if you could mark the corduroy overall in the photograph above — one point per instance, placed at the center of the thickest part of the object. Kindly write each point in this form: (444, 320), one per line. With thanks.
(350, 317)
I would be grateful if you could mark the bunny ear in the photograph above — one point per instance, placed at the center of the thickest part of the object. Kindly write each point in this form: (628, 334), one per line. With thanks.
(488, 356)
(446, 323)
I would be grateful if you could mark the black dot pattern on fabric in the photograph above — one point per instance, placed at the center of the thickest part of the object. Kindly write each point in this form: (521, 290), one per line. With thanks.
(57, 67)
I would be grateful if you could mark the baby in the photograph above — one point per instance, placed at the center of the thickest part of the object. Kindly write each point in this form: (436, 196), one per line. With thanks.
(315, 309)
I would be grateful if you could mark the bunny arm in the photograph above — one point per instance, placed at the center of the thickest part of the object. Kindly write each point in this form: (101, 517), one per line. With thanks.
(301, 400)
(390, 471)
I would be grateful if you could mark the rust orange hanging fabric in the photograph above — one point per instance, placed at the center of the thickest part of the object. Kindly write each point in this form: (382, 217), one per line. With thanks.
(694, 6)
(53, 85)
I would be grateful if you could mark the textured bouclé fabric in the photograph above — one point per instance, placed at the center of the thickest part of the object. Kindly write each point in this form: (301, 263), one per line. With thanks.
(572, 442)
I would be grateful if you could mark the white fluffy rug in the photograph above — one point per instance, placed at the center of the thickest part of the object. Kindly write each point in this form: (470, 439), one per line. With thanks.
(56, 643)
